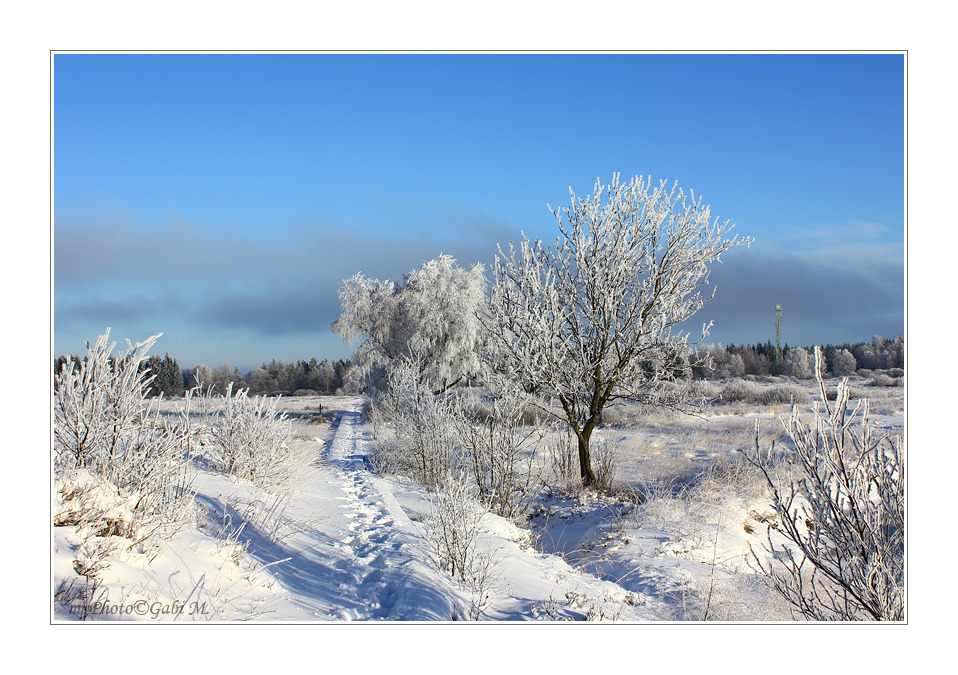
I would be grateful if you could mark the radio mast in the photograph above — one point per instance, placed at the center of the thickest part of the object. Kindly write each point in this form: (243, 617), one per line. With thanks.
(778, 332)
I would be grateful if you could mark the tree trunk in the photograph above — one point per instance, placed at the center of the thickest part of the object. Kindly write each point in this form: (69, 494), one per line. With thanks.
(585, 459)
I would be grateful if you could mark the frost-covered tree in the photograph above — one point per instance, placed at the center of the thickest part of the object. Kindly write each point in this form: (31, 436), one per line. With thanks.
(167, 376)
(592, 319)
(433, 314)
(325, 376)
(203, 376)
(224, 375)
(797, 364)
(260, 381)
(844, 364)
(736, 366)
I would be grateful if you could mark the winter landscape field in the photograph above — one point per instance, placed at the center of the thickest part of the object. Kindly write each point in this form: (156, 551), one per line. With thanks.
(675, 535)
(547, 445)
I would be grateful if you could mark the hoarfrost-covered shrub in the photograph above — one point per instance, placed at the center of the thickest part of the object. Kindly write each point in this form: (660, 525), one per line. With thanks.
(882, 380)
(455, 524)
(253, 439)
(604, 464)
(842, 512)
(705, 389)
(454, 528)
(420, 436)
(563, 463)
(562, 454)
(499, 451)
(737, 390)
(780, 395)
(110, 439)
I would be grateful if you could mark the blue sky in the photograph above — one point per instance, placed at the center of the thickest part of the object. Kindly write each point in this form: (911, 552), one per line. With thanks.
(221, 199)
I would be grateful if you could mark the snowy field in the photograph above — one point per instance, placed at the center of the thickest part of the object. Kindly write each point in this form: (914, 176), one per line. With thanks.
(338, 542)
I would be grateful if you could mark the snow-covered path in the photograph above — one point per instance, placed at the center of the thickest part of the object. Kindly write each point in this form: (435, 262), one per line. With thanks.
(363, 559)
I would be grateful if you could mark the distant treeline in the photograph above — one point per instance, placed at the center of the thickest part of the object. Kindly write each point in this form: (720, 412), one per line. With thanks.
(761, 359)
(323, 377)
(302, 377)
(277, 377)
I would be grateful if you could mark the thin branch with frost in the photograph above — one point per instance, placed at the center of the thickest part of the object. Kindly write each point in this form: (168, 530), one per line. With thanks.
(842, 512)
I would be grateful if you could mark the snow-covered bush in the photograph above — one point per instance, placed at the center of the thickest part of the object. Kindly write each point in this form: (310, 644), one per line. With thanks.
(97, 402)
(703, 389)
(454, 531)
(782, 395)
(883, 380)
(563, 462)
(737, 390)
(842, 512)
(499, 452)
(604, 464)
(421, 435)
(118, 466)
(253, 439)
(561, 455)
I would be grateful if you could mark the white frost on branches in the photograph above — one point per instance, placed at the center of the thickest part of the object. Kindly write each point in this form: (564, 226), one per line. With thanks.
(592, 319)
(110, 438)
(432, 317)
(253, 439)
(842, 510)
(423, 437)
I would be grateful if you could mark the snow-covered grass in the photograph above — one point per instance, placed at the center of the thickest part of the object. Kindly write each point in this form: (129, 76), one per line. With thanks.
(686, 501)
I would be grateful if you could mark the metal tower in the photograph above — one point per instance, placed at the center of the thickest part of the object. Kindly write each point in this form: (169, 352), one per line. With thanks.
(778, 332)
